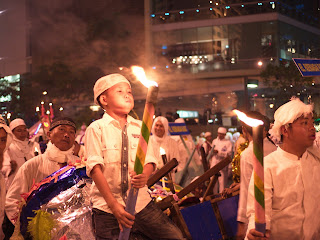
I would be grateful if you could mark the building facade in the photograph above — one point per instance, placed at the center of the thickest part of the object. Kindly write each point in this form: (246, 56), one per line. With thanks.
(204, 52)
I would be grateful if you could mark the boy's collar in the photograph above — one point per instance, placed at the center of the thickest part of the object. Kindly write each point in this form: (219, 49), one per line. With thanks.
(109, 119)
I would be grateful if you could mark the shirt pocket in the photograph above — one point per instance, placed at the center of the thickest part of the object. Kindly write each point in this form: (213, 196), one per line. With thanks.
(112, 152)
(133, 149)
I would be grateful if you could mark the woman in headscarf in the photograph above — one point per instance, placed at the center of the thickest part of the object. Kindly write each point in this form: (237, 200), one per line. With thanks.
(20, 150)
(161, 138)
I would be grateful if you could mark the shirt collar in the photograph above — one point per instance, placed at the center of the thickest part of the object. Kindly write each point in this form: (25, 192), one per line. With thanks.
(289, 155)
(110, 120)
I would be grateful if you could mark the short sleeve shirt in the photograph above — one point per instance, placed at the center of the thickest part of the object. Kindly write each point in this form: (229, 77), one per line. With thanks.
(103, 142)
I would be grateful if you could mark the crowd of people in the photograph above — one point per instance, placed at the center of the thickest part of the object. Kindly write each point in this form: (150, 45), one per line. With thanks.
(109, 146)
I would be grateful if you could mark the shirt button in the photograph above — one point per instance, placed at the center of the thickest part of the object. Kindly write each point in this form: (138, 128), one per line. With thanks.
(124, 165)
(125, 148)
(124, 181)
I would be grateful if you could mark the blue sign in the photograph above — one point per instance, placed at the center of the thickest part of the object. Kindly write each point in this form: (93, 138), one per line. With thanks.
(178, 129)
(308, 67)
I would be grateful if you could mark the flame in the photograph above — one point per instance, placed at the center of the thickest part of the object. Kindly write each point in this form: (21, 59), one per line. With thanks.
(162, 151)
(247, 120)
(141, 76)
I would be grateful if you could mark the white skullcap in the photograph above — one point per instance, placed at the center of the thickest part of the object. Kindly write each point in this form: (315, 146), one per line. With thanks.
(222, 130)
(4, 125)
(106, 82)
(17, 122)
(207, 134)
(288, 113)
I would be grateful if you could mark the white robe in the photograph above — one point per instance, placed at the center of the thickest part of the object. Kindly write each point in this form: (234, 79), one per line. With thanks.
(168, 144)
(20, 152)
(33, 171)
(224, 148)
(292, 195)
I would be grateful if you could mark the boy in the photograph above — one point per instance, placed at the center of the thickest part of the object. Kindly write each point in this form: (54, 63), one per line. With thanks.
(111, 145)
(291, 174)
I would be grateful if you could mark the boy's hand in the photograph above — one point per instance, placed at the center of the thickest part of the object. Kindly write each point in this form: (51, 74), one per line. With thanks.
(256, 235)
(138, 181)
(124, 218)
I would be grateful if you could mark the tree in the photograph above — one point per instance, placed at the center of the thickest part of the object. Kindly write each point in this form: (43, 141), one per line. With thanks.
(76, 42)
(286, 79)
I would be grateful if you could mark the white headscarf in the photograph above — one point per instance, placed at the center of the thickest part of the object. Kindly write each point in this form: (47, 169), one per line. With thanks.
(288, 113)
(165, 123)
(4, 125)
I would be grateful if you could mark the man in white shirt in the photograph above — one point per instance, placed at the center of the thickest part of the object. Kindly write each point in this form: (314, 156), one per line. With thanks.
(246, 167)
(291, 174)
(57, 155)
(223, 148)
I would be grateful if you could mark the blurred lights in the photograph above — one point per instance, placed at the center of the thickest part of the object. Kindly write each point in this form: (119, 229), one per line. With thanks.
(260, 63)
(252, 85)
(271, 105)
(61, 109)
(95, 108)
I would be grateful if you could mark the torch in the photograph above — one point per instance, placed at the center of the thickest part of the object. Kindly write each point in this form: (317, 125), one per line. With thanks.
(169, 176)
(259, 207)
(143, 140)
(42, 109)
(51, 112)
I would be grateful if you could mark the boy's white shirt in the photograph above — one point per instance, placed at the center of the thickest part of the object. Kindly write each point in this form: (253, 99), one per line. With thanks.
(291, 195)
(103, 147)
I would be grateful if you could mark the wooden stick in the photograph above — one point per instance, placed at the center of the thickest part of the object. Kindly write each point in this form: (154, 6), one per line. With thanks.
(185, 169)
(167, 202)
(168, 175)
(204, 159)
(162, 172)
(212, 183)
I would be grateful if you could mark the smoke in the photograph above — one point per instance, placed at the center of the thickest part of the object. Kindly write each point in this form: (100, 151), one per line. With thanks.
(83, 35)
(224, 102)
